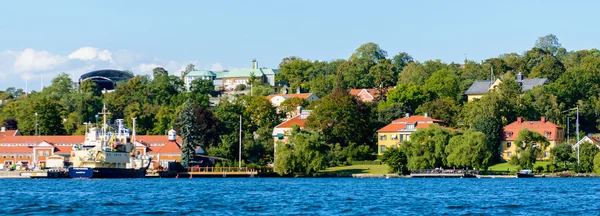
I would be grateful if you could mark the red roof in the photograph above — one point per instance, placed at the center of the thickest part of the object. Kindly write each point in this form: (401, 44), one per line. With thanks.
(39, 139)
(170, 147)
(542, 127)
(367, 94)
(302, 95)
(400, 124)
(16, 149)
(8, 133)
(296, 120)
(155, 139)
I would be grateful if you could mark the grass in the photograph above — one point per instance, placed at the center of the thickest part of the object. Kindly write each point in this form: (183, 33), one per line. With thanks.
(505, 166)
(357, 169)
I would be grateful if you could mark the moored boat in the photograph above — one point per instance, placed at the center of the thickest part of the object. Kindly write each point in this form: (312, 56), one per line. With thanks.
(525, 174)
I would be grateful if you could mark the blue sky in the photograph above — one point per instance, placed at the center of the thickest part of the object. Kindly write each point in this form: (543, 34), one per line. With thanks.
(43, 38)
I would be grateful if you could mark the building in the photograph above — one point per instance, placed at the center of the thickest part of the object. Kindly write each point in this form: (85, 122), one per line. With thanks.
(106, 79)
(589, 139)
(282, 131)
(480, 87)
(228, 80)
(277, 99)
(367, 95)
(393, 134)
(554, 133)
(5, 133)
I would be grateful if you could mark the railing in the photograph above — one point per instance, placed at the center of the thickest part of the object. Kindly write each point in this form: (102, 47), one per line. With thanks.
(444, 171)
(220, 169)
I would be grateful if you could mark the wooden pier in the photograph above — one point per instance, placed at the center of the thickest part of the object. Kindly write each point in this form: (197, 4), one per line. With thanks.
(206, 172)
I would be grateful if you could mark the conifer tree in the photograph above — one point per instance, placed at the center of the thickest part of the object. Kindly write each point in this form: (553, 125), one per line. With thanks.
(186, 124)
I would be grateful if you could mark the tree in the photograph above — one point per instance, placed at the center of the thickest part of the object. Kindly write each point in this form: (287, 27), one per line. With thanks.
(10, 124)
(413, 73)
(200, 91)
(291, 105)
(321, 85)
(469, 150)
(262, 113)
(530, 145)
(401, 60)
(198, 127)
(548, 43)
(442, 84)
(396, 160)
(587, 152)
(370, 52)
(427, 148)
(561, 153)
(294, 70)
(409, 95)
(444, 109)
(597, 163)
(340, 118)
(491, 127)
(158, 72)
(189, 68)
(305, 153)
(549, 68)
(392, 111)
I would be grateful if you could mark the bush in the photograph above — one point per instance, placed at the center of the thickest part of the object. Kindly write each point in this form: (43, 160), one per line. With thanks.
(539, 169)
(240, 87)
(514, 160)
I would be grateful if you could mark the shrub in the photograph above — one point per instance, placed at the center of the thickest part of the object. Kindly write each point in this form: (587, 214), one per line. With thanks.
(539, 169)
(240, 87)
(514, 160)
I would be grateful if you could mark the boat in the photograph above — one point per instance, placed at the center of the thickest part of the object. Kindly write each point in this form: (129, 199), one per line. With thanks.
(525, 174)
(104, 154)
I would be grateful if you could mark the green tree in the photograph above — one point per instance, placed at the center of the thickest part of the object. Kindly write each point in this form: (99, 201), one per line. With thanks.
(444, 109)
(370, 52)
(305, 153)
(396, 160)
(587, 152)
(442, 84)
(401, 60)
(409, 95)
(491, 127)
(291, 105)
(469, 150)
(189, 133)
(549, 68)
(561, 153)
(530, 145)
(597, 163)
(427, 148)
(392, 111)
(413, 73)
(548, 43)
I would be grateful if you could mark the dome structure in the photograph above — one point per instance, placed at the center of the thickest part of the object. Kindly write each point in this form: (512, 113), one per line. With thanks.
(107, 78)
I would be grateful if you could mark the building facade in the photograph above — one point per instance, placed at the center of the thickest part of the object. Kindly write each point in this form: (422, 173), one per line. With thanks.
(277, 99)
(554, 133)
(393, 134)
(282, 131)
(480, 87)
(229, 79)
(367, 95)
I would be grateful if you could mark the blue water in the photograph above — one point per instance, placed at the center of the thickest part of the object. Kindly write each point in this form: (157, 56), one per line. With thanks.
(322, 196)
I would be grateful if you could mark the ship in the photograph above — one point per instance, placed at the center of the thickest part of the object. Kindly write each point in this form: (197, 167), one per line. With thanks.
(105, 154)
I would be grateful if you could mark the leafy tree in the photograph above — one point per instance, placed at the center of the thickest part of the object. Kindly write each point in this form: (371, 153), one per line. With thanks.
(10, 124)
(442, 84)
(530, 144)
(549, 68)
(444, 109)
(294, 70)
(587, 152)
(401, 60)
(340, 118)
(370, 52)
(548, 43)
(597, 163)
(427, 147)
(158, 72)
(469, 150)
(385, 75)
(200, 91)
(262, 113)
(198, 127)
(290, 105)
(396, 160)
(413, 73)
(305, 153)
(491, 127)
(409, 95)
(561, 153)
(321, 85)
(189, 68)
(392, 111)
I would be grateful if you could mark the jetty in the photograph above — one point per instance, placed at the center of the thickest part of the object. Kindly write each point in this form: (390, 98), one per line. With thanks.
(443, 173)
(206, 172)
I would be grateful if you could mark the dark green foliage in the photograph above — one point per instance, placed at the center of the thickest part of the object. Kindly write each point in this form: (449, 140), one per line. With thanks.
(396, 160)
(530, 145)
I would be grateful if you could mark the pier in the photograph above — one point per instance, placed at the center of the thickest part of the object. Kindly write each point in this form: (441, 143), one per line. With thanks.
(441, 173)
(206, 172)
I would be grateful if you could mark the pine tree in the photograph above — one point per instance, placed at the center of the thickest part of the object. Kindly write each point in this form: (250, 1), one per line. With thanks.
(186, 124)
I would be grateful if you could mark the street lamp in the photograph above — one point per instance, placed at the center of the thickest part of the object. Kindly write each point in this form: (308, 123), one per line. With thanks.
(36, 124)
(576, 129)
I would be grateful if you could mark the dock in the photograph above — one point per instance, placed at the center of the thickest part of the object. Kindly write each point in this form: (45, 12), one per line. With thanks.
(206, 172)
(441, 175)
(23, 174)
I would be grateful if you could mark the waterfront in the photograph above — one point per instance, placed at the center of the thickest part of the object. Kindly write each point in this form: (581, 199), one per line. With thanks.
(323, 196)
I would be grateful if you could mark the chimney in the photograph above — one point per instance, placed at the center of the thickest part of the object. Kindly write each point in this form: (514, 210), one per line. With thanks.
(520, 76)
(407, 115)
(254, 64)
(543, 119)
(426, 115)
(299, 110)
(298, 90)
(3, 129)
(520, 119)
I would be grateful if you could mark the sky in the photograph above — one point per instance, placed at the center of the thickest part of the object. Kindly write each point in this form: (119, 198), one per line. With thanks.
(41, 39)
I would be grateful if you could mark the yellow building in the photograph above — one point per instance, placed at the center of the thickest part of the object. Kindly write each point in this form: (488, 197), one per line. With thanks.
(393, 134)
(480, 87)
(554, 133)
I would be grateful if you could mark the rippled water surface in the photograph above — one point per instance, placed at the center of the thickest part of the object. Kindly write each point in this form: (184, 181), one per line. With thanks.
(323, 196)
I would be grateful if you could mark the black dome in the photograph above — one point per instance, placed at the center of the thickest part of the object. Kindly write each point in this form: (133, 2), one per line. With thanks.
(106, 79)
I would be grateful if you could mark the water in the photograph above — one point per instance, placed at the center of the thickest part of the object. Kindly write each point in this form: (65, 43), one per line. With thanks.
(322, 196)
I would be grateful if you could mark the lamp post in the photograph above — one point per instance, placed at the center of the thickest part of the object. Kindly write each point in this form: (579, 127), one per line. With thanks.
(36, 124)
(576, 128)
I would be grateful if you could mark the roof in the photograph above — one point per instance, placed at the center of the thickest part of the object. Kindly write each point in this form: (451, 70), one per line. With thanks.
(201, 73)
(301, 95)
(299, 120)
(170, 147)
(400, 124)
(155, 139)
(482, 86)
(15, 149)
(589, 139)
(245, 72)
(9, 133)
(39, 139)
(537, 126)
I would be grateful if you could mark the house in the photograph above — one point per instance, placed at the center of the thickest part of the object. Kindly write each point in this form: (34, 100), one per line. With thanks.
(393, 134)
(277, 99)
(161, 149)
(231, 78)
(589, 139)
(367, 95)
(554, 133)
(4, 132)
(480, 87)
(282, 131)
(34, 150)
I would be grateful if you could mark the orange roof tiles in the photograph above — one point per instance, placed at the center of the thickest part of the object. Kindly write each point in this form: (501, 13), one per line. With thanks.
(155, 139)
(8, 133)
(170, 147)
(400, 124)
(296, 120)
(16, 149)
(541, 127)
(39, 139)
(302, 95)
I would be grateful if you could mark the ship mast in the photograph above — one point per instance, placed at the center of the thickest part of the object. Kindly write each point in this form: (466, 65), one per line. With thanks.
(104, 113)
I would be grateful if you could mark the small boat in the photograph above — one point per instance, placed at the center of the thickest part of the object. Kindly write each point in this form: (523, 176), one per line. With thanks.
(525, 174)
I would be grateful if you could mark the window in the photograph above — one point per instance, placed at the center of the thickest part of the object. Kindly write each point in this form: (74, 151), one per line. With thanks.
(546, 154)
(382, 137)
(40, 153)
(46, 153)
(20, 156)
(547, 133)
(508, 134)
(410, 126)
(401, 137)
(394, 136)
(508, 154)
(12, 156)
(28, 156)
(508, 144)
(381, 148)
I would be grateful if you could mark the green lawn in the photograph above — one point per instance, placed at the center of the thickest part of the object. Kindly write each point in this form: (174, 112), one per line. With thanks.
(357, 169)
(505, 166)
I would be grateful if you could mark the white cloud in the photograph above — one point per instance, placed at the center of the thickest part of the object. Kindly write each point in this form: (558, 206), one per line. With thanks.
(31, 60)
(146, 68)
(216, 67)
(91, 53)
